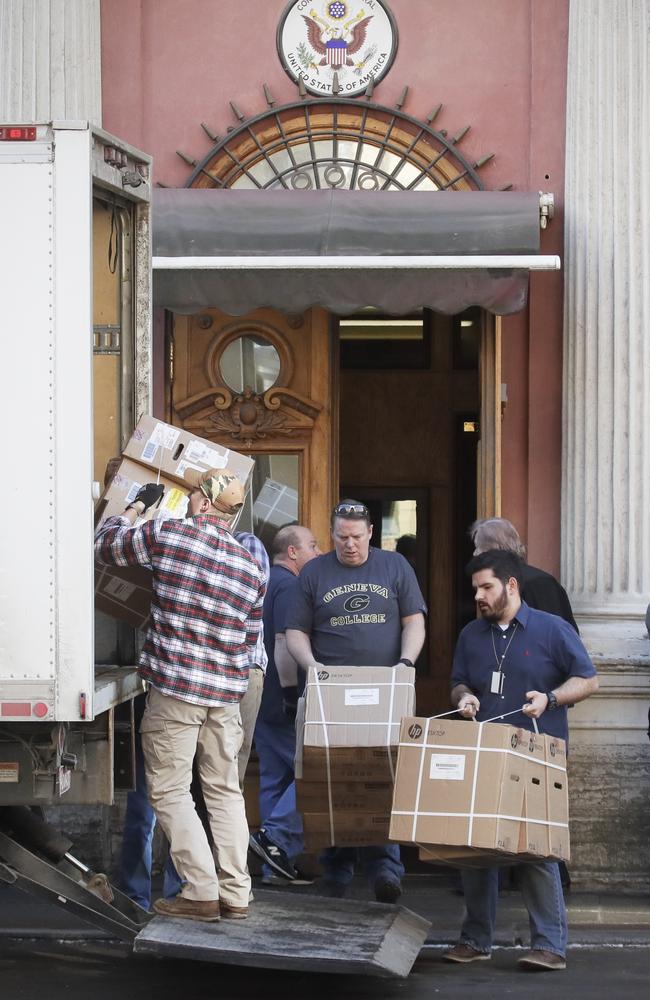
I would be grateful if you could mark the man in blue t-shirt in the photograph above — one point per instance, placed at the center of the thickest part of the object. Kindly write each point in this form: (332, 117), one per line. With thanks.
(514, 659)
(279, 840)
(358, 606)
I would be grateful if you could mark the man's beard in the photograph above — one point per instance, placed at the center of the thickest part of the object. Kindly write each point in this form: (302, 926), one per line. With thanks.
(494, 613)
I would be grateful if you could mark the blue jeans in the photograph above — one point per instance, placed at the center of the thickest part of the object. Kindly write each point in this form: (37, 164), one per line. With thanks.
(139, 823)
(541, 888)
(378, 862)
(276, 749)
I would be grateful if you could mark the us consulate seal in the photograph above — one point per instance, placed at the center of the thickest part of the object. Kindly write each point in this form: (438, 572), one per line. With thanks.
(354, 39)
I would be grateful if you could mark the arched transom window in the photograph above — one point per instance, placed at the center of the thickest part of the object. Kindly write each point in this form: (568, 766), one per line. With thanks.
(338, 143)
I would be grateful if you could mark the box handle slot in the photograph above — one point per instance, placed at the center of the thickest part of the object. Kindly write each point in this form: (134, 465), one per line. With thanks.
(177, 454)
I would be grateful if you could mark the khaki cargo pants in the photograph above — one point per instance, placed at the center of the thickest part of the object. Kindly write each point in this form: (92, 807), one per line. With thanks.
(173, 732)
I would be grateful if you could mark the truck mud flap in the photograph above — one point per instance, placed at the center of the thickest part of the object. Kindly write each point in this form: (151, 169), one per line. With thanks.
(301, 932)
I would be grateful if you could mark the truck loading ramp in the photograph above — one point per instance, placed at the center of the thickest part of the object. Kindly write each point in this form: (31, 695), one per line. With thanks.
(309, 933)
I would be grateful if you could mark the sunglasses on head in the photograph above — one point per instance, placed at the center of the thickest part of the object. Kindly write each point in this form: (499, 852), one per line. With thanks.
(343, 509)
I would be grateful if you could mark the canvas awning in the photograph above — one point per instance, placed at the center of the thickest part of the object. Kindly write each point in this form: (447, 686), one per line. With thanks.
(398, 251)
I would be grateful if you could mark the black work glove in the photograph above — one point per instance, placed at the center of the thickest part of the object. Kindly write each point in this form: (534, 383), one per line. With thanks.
(149, 495)
(290, 702)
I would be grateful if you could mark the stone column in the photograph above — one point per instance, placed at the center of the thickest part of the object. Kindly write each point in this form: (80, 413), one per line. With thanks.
(606, 430)
(50, 60)
(606, 460)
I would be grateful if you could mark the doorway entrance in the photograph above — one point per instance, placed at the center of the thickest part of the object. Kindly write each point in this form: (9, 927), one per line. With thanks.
(408, 445)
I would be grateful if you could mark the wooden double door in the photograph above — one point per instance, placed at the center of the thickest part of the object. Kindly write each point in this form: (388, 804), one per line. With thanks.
(403, 440)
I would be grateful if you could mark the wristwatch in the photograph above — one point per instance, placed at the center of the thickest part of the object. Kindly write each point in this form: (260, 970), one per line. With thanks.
(552, 702)
(405, 660)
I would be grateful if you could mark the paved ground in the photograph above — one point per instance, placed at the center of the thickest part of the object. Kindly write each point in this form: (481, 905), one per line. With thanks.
(31, 970)
(44, 951)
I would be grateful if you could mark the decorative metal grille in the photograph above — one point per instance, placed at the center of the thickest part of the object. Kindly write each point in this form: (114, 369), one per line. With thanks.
(337, 143)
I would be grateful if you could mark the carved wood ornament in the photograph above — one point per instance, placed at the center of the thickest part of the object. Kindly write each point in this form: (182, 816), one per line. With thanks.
(248, 417)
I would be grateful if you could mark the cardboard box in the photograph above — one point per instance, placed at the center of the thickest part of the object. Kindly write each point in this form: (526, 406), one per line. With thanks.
(377, 764)
(347, 727)
(557, 799)
(356, 706)
(171, 451)
(346, 830)
(346, 796)
(156, 452)
(486, 787)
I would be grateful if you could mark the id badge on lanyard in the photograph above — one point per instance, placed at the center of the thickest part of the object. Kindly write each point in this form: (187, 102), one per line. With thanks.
(496, 686)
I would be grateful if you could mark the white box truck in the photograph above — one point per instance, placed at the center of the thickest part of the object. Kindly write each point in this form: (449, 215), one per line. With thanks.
(75, 354)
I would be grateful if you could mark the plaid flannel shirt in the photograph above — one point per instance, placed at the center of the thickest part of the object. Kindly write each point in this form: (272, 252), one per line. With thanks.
(255, 547)
(206, 609)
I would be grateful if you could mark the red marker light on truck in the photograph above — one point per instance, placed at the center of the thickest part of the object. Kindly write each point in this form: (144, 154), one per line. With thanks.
(17, 133)
(40, 710)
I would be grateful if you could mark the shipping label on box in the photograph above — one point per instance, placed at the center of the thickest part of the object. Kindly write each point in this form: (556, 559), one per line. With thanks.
(356, 706)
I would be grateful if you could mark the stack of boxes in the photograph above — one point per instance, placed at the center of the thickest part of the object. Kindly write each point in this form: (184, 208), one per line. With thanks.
(471, 793)
(160, 453)
(347, 730)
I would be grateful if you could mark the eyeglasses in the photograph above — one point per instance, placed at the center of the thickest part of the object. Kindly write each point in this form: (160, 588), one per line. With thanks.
(344, 509)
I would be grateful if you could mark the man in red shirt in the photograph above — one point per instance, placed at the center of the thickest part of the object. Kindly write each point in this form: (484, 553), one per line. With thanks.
(206, 613)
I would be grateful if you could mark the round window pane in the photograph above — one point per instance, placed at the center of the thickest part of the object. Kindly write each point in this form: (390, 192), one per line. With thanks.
(250, 361)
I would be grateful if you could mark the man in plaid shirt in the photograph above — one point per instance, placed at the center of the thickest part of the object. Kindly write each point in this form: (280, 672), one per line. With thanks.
(206, 614)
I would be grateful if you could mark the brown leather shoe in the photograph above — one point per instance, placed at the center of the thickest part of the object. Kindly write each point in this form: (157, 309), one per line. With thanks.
(539, 960)
(464, 953)
(190, 909)
(230, 912)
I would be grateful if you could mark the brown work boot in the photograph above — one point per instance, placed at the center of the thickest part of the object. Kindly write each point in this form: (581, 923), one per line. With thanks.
(190, 909)
(539, 960)
(230, 912)
(464, 953)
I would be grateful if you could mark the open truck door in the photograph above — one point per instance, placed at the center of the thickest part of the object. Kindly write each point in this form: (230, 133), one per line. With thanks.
(76, 356)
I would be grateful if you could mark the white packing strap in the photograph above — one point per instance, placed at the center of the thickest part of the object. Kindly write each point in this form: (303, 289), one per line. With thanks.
(327, 753)
(162, 451)
(389, 725)
(364, 684)
(425, 737)
(477, 815)
(507, 715)
(470, 829)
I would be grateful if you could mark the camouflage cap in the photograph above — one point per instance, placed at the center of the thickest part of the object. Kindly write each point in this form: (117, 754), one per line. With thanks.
(222, 487)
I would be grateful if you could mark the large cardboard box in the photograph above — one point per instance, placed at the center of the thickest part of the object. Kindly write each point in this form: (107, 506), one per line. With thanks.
(356, 706)
(347, 727)
(156, 452)
(480, 787)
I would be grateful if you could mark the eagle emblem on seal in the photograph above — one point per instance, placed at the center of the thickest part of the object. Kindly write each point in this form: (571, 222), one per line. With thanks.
(336, 42)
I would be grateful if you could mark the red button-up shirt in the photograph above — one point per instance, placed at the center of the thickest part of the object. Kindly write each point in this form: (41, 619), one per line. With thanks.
(206, 610)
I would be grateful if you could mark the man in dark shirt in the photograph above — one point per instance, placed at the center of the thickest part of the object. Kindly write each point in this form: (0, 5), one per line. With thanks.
(279, 840)
(539, 589)
(516, 658)
(357, 606)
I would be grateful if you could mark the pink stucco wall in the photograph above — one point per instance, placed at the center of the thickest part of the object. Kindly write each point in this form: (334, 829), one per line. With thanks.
(497, 65)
